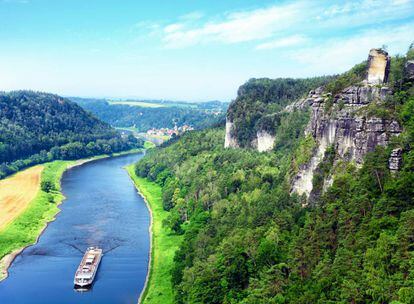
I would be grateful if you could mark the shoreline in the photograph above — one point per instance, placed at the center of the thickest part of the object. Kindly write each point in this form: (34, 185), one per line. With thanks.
(8, 259)
(144, 289)
(163, 244)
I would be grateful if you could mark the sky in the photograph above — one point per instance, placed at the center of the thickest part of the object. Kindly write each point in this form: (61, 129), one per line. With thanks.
(193, 50)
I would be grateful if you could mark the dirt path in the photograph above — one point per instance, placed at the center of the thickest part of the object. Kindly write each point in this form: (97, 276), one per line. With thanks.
(16, 192)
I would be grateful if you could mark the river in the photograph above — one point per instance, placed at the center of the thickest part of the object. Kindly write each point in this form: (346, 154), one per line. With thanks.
(102, 208)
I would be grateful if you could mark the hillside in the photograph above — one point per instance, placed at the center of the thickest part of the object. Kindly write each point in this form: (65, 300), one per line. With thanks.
(258, 104)
(248, 238)
(151, 114)
(37, 127)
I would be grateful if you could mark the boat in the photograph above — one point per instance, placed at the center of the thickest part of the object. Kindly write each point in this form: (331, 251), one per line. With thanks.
(86, 272)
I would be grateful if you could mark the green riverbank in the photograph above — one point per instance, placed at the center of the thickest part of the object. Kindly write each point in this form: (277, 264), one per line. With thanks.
(26, 229)
(164, 244)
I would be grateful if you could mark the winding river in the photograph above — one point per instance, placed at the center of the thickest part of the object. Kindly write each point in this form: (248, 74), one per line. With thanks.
(103, 208)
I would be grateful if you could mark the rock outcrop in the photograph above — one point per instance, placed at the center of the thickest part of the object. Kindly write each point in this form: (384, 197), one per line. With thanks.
(395, 160)
(378, 66)
(265, 141)
(342, 122)
(230, 141)
(409, 69)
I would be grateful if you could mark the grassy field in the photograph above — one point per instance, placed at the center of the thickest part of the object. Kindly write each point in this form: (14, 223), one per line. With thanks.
(164, 244)
(12, 202)
(142, 104)
(25, 229)
(148, 104)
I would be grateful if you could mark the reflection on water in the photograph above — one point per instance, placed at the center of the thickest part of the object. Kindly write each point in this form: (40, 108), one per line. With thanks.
(102, 208)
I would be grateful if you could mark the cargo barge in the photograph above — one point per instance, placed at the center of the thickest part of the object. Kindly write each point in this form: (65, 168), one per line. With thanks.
(86, 272)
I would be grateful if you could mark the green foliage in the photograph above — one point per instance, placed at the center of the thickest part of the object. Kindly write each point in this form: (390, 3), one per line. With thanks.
(164, 245)
(47, 186)
(259, 100)
(39, 127)
(248, 240)
(352, 77)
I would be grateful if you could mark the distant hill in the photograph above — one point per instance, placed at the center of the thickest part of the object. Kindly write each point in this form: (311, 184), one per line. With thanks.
(37, 127)
(148, 114)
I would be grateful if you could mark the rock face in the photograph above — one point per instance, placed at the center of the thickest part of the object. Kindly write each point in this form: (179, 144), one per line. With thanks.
(378, 66)
(395, 160)
(409, 69)
(342, 122)
(265, 141)
(229, 140)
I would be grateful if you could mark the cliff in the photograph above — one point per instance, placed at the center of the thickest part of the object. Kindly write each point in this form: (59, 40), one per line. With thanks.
(349, 121)
(253, 117)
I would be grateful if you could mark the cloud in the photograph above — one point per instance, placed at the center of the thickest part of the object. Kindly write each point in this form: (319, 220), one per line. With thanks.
(346, 52)
(236, 27)
(283, 42)
(281, 25)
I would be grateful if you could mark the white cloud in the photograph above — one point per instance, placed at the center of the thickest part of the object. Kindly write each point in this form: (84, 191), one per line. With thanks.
(279, 23)
(335, 55)
(283, 42)
(236, 27)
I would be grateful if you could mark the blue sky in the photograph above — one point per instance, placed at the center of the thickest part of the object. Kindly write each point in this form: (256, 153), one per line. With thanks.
(188, 50)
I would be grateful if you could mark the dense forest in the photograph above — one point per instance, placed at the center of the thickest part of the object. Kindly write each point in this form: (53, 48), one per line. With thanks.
(248, 240)
(198, 116)
(258, 100)
(37, 127)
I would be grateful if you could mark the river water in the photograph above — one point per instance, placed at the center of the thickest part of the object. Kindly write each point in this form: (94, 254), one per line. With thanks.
(102, 208)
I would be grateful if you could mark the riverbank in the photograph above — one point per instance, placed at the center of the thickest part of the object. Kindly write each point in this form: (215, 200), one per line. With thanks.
(28, 226)
(26, 229)
(164, 244)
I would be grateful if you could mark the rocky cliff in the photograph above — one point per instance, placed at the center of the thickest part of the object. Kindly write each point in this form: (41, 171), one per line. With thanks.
(252, 117)
(346, 123)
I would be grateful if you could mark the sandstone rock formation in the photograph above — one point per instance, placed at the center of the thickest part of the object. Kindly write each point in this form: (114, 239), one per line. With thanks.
(395, 160)
(265, 141)
(229, 140)
(409, 69)
(378, 66)
(342, 121)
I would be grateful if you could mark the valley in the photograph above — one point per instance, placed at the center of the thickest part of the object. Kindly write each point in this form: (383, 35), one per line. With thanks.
(207, 152)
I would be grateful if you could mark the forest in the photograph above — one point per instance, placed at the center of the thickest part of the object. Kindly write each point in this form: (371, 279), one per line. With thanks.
(38, 127)
(198, 115)
(248, 240)
(258, 99)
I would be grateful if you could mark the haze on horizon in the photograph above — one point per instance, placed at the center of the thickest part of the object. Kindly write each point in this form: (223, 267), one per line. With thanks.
(188, 50)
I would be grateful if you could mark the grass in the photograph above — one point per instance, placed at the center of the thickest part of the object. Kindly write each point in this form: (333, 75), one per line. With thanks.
(142, 104)
(149, 145)
(164, 244)
(25, 229)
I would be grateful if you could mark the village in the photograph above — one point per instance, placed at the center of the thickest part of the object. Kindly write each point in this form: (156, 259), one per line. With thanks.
(167, 132)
